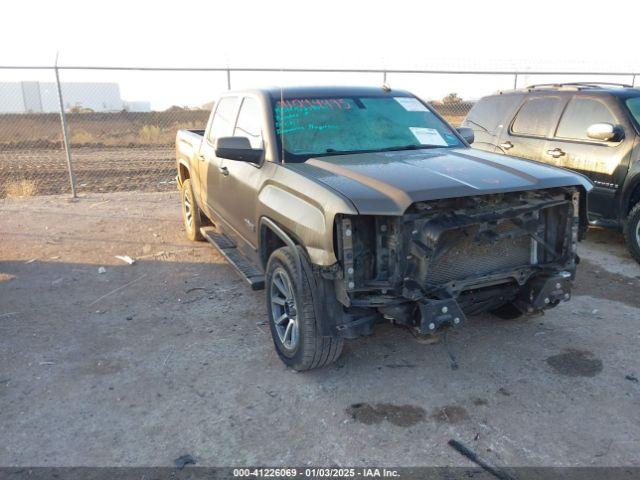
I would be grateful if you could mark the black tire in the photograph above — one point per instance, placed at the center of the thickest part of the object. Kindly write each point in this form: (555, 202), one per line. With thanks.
(507, 312)
(191, 215)
(311, 349)
(632, 232)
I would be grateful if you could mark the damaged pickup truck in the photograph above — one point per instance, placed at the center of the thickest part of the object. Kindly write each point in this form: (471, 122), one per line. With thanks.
(353, 206)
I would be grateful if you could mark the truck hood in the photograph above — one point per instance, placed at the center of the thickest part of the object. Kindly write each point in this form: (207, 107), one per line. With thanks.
(387, 183)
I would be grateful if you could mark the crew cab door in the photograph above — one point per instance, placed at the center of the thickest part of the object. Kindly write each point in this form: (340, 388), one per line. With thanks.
(527, 134)
(210, 166)
(605, 163)
(241, 180)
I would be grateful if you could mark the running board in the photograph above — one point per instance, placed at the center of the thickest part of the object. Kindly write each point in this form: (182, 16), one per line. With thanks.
(227, 248)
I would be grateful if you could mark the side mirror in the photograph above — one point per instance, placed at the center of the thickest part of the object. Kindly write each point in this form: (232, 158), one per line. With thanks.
(467, 134)
(238, 148)
(605, 132)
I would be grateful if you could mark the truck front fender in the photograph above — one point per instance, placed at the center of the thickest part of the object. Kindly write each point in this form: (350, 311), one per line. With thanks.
(282, 235)
(306, 214)
(305, 221)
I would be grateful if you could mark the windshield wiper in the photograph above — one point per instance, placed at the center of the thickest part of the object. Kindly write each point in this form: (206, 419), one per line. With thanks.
(332, 151)
(478, 125)
(410, 147)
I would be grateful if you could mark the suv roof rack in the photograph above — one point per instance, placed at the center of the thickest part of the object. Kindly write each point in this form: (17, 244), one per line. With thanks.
(578, 85)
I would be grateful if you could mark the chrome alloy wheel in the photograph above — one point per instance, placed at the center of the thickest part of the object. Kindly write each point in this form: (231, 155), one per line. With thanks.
(188, 209)
(284, 309)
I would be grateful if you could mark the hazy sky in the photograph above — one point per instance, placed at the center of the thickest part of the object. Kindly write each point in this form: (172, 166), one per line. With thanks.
(516, 34)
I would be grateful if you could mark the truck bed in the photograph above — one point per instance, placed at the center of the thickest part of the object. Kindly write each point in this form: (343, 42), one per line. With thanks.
(188, 145)
(186, 135)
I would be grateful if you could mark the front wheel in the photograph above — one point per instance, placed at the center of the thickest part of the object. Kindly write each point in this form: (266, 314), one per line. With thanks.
(292, 314)
(632, 232)
(507, 312)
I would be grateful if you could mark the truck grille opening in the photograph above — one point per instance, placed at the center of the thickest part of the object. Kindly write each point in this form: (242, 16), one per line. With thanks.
(445, 247)
(487, 236)
(466, 257)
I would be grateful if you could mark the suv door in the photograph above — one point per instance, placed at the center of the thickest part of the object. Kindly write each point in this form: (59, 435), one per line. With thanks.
(210, 166)
(241, 181)
(534, 122)
(605, 163)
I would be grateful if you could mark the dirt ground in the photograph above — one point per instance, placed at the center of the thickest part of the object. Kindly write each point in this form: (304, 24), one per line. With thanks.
(144, 363)
(96, 169)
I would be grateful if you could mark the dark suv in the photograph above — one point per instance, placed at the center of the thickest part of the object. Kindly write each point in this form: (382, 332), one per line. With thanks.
(592, 128)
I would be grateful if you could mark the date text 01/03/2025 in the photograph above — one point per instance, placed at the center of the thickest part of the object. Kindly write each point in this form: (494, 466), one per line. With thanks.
(315, 472)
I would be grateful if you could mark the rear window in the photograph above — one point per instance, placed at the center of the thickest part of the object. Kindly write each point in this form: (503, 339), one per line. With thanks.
(490, 112)
(581, 113)
(536, 116)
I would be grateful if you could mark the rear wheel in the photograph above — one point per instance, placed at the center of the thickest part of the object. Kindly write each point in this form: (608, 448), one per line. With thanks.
(632, 231)
(292, 314)
(190, 212)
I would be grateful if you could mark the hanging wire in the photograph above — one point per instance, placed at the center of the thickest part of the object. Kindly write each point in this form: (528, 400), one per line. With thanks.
(282, 119)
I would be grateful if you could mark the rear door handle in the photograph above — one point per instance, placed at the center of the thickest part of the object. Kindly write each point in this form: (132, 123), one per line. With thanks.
(201, 157)
(555, 153)
(224, 171)
(506, 145)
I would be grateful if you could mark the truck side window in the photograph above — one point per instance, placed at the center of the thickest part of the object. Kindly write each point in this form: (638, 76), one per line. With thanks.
(249, 124)
(535, 116)
(223, 119)
(580, 114)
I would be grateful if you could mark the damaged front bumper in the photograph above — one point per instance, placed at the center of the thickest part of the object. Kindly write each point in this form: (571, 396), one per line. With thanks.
(447, 259)
(539, 293)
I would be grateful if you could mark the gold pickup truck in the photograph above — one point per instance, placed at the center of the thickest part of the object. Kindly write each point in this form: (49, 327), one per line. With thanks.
(353, 206)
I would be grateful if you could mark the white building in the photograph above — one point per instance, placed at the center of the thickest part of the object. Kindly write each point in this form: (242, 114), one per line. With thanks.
(42, 97)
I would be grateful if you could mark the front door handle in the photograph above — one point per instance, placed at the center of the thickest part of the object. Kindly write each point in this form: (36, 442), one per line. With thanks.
(201, 157)
(224, 171)
(555, 153)
(506, 145)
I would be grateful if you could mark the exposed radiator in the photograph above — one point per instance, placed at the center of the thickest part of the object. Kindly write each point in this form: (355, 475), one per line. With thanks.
(464, 257)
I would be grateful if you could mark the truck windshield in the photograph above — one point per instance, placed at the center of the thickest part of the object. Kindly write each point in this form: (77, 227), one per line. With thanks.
(633, 104)
(315, 127)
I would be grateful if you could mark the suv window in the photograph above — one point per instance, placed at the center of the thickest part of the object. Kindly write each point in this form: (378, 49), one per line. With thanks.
(535, 116)
(490, 112)
(580, 114)
(249, 124)
(223, 119)
(633, 104)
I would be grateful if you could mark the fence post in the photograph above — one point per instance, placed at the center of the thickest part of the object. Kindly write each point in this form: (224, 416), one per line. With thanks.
(515, 81)
(65, 134)
(228, 79)
(384, 77)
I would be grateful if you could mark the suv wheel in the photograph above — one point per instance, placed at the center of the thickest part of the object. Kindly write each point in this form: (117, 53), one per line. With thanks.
(507, 312)
(292, 314)
(632, 231)
(190, 212)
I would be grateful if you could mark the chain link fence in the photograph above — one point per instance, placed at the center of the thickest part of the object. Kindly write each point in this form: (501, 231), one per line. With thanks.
(31, 148)
(121, 123)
